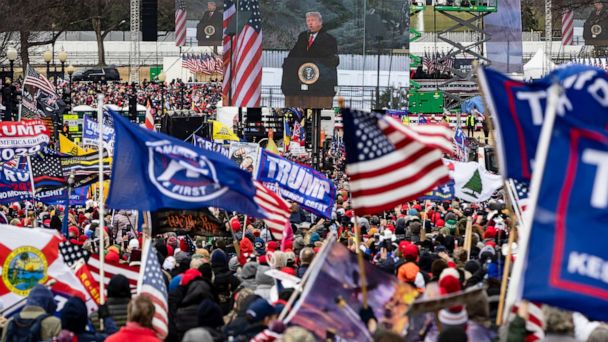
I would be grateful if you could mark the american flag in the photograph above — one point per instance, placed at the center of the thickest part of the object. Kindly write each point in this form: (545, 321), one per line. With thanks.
(389, 163)
(521, 193)
(426, 62)
(180, 23)
(37, 80)
(47, 172)
(246, 53)
(276, 208)
(152, 284)
(149, 123)
(229, 11)
(567, 27)
(111, 268)
(71, 253)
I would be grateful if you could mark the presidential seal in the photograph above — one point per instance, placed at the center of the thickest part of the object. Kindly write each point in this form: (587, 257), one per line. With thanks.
(308, 73)
(182, 174)
(596, 30)
(209, 31)
(24, 268)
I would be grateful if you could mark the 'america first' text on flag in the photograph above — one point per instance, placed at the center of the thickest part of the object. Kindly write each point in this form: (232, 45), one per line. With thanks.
(169, 173)
(389, 163)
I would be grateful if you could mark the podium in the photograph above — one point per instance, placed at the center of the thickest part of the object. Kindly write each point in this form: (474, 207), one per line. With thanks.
(309, 82)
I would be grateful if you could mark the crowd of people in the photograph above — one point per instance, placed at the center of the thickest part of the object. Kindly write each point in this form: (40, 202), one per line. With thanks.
(218, 292)
(200, 97)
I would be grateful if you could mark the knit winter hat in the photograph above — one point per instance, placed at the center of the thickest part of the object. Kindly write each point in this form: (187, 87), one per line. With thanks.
(74, 315)
(449, 282)
(210, 314)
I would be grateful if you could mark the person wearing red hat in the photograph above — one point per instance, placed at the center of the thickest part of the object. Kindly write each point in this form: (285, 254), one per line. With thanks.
(407, 270)
(246, 249)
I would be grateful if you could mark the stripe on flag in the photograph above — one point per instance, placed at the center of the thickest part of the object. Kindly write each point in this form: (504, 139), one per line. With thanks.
(111, 269)
(567, 27)
(389, 163)
(152, 284)
(535, 324)
(246, 59)
(180, 23)
(276, 208)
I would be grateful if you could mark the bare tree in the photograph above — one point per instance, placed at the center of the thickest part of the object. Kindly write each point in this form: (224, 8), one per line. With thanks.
(29, 18)
(106, 16)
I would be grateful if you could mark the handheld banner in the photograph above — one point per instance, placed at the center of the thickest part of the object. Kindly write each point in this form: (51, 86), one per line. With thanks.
(301, 184)
(22, 138)
(90, 133)
(211, 146)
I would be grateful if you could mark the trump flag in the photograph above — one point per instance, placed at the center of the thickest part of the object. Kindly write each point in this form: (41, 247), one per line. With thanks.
(518, 110)
(566, 263)
(152, 171)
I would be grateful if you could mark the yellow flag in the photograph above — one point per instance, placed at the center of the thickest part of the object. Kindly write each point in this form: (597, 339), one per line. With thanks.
(68, 146)
(222, 132)
(271, 146)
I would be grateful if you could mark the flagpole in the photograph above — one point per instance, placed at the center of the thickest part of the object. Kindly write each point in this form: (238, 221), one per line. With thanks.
(29, 162)
(101, 203)
(360, 261)
(330, 238)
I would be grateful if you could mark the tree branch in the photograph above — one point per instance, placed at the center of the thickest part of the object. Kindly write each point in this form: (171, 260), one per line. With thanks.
(47, 42)
(113, 27)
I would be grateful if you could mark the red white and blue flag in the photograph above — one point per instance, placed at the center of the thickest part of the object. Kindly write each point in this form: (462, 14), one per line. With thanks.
(180, 23)
(152, 284)
(389, 163)
(276, 208)
(243, 56)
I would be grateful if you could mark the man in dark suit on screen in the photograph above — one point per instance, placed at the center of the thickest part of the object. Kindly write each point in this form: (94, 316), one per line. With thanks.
(314, 46)
(209, 29)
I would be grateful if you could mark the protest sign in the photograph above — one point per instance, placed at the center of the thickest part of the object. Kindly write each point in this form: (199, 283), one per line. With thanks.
(90, 133)
(211, 146)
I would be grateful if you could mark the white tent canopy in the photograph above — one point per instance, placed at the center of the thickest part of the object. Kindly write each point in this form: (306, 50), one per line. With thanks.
(538, 66)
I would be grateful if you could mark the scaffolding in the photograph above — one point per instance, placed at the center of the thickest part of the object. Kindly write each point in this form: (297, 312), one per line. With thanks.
(474, 23)
(134, 52)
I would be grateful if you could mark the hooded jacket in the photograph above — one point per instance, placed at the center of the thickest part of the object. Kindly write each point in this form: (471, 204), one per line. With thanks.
(39, 302)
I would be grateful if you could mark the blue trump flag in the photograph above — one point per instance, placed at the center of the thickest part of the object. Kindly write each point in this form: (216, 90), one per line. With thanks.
(570, 218)
(301, 184)
(152, 171)
(14, 184)
(518, 110)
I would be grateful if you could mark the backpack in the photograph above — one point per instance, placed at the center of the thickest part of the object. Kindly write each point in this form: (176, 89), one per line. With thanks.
(25, 330)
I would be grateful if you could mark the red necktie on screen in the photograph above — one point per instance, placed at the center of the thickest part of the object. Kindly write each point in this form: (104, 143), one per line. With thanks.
(311, 39)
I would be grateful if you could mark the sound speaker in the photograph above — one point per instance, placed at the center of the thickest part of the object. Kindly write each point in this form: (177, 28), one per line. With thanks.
(149, 20)
(254, 115)
(183, 127)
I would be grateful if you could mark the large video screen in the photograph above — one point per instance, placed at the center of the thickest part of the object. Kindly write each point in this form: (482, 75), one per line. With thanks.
(314, 50)
(203, 21)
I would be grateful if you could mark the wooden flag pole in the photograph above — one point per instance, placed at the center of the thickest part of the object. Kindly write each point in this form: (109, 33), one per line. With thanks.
(468, 237)
(360, 261)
